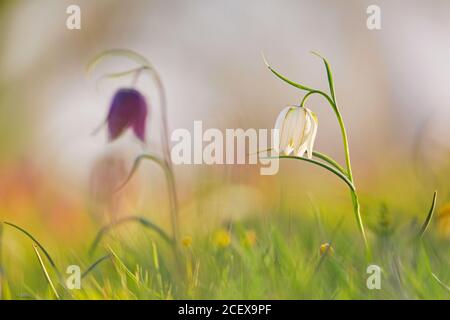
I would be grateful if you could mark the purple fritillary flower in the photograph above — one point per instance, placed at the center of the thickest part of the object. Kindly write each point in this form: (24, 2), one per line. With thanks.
(128, 109)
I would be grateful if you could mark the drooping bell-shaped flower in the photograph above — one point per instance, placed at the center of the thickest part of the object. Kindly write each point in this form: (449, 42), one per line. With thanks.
(128, 110)
(297, 129)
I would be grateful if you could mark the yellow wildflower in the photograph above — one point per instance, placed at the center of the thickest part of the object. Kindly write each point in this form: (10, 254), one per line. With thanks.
(326, 248)
(186, 241)
(222, 238)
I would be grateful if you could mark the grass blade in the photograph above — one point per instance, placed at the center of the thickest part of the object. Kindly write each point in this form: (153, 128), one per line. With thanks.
(136, 165)
(47, 276)
(120, 265)
(144, 222)
(29, 235)
(440, 282)
(95, 264)
(429, 217)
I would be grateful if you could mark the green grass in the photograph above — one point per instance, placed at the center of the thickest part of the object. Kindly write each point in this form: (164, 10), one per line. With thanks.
(283, 263)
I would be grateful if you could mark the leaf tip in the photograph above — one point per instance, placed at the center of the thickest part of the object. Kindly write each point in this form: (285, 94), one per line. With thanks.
(265, 60)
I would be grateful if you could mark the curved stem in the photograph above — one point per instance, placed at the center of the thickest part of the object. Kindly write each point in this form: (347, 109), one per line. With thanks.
(355, 201)
(114, 75)
(169, 178)
(136, 164)
(151, 71)
(350, 184)
(306, 96)
(166, 153)
(357, 210)
(341, 125)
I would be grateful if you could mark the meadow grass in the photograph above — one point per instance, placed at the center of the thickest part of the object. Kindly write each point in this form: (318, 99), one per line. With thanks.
(276, 256)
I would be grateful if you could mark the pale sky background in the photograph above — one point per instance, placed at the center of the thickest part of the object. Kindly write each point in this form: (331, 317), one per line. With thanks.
(388, 82)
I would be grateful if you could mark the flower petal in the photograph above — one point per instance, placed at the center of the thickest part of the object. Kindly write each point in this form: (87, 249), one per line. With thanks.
(279, 125)
(290, 131)
(301, 131)
(128, 109)
(312, 136)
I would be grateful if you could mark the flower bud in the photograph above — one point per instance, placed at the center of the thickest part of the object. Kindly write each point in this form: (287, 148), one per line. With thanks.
(128, 110)
(297, 128)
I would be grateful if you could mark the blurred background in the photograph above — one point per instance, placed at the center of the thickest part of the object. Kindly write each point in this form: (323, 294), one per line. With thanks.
(392, 85)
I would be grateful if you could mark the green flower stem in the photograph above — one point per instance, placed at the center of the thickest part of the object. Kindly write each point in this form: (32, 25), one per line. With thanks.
(170, 184)
(356, 205)
(332, 101)
(355, 201)
(321, 156)
(351, 186)
(167, 169)
(144, 65)
(166, 153)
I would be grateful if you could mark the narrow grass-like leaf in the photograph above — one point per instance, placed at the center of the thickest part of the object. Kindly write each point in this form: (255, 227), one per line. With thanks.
(429, 217)
(329, 75)
(144, 222)
(95, 264)
(440, 282)
(329, 160)
(292, 83)
(124, 268)
(157, 268)
(29, 235)
(47, 276)
(342, 176)
(137, 163)
(317, 154)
